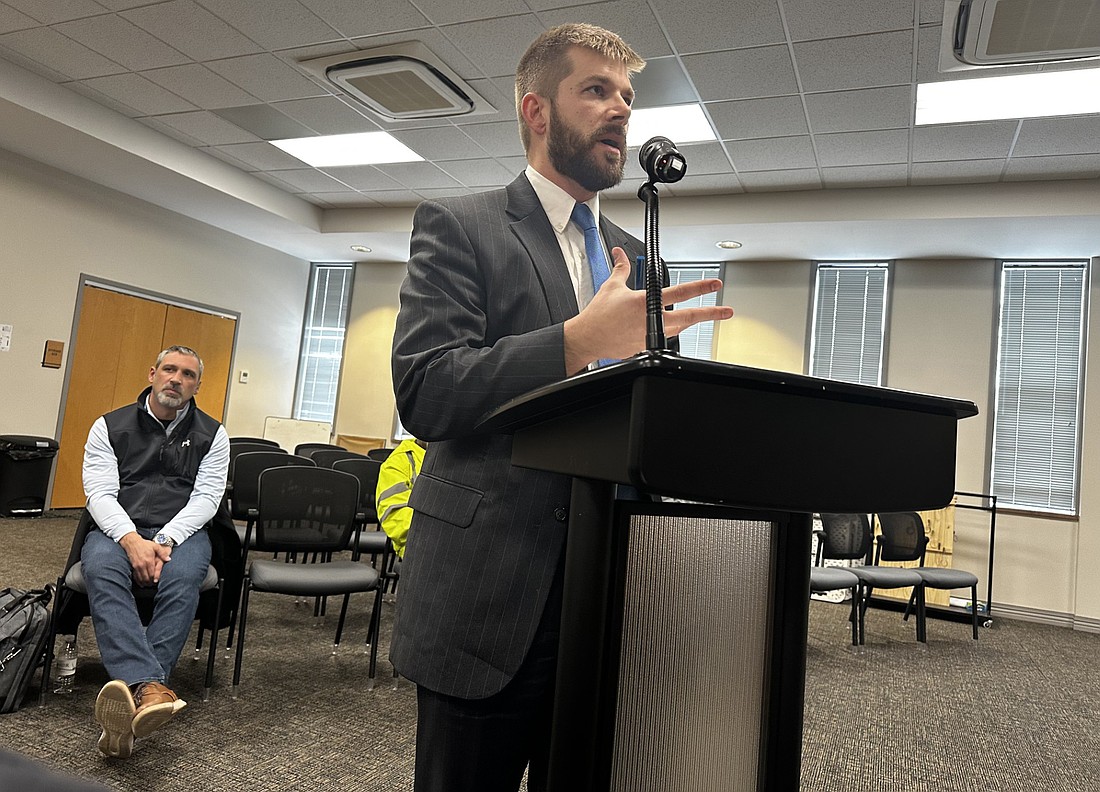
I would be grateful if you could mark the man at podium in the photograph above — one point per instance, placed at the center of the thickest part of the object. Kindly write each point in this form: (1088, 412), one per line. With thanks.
(507, 291)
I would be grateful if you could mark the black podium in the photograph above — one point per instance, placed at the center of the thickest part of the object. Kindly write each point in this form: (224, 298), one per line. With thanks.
(683, 644)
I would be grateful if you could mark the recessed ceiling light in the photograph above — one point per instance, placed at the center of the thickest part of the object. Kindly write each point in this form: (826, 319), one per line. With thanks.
(360, 148)
(1013, 96)
(680, 123)
(360, 248)
(727, 244)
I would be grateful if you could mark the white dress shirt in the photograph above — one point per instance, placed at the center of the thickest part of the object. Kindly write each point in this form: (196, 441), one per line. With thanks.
(101, 484)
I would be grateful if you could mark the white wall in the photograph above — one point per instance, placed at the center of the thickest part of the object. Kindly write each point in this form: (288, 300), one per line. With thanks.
(58, 226)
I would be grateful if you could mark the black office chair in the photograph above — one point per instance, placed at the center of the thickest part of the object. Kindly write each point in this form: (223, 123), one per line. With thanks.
(307, 449)
(848, 537)
(258, 440)
(824, 579)
(326, 457)
(371, 540)
(236, 448)
(219, 589)
(381, 454)
(903, 538)
(309, 511)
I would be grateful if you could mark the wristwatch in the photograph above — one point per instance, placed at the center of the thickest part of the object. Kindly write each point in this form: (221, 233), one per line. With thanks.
(164, 539)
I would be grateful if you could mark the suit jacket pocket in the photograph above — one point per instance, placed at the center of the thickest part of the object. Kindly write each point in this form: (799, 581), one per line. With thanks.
(445, 500)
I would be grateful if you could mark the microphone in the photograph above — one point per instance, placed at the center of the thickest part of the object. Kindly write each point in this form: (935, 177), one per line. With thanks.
(661, 161)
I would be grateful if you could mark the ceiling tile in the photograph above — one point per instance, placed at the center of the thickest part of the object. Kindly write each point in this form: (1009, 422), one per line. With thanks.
(853, 111)
(813, 19)
(351, 18)
(743, 74)
(495, 46)
(708, 184)
(282, 23)
(102, 99)
(417, 175)
(1080, 166)
(479, 173)
(363, 177)
(855, 62)
(50, 12)
(705, 158)
(266, 77)
(192, 30)
(663, 82)
(10, 19)
(261, 156)
(628, 187)
(308, 180)
(931, 12)
(326, 115)
(446, 12)
(987, 140)
(206, 127)
(59, 53)
(707, 26)
(771, 181)
(433, 194)
(862, 148)
(633, 20)
(962, 172)
(114, 37)
(772, 153)
(754, 118)
(135, 91)
(503, 102)
(1066, 135)
(865, 176)
(348, 198)
(153, 122)
(395, 197)
(441, 144)
(265, 122)
(499, 138)
(198, 84)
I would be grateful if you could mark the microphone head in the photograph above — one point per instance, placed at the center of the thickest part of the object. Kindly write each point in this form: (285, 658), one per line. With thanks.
(661, 161)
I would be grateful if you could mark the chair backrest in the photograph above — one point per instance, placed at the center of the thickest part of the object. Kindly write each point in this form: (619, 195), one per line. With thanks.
(366, 470)
(306, 509)
(381, 454)
(903, 537)
(238, 447)
(326, 457)
(847, 537)
(259, 440)
(307, 449)
(245, 471)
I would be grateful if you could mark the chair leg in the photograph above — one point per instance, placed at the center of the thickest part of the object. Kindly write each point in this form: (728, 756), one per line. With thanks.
(373, 634)
(974, 608)
(213, 651)
(59, 592)
(922, 625)
(340, 623)
(246, 589)
(909, 605)
(854, 618)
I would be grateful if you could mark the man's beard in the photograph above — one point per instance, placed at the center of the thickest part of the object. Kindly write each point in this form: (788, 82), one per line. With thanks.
(168, 400)
(573, 156)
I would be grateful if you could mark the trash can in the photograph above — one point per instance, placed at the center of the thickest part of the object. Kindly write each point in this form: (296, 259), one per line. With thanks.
(25, 465)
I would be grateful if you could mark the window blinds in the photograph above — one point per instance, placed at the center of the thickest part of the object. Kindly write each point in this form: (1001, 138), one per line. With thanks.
(323, 342)
(849, 322)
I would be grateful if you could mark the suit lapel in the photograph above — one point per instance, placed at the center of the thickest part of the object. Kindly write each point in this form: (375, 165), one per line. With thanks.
(533, 230)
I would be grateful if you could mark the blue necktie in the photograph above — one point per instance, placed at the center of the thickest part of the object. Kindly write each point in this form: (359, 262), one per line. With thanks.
(593, 251)
(593, 248)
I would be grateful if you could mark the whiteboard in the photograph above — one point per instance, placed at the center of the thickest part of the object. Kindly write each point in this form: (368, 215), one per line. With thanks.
(289, 432)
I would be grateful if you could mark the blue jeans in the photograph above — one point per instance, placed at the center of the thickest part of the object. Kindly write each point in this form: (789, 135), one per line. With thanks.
(131, 651)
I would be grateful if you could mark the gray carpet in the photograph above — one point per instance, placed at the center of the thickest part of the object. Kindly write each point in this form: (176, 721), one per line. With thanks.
(1016, 711)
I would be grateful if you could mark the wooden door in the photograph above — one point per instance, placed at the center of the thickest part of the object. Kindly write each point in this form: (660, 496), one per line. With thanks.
(117, 341)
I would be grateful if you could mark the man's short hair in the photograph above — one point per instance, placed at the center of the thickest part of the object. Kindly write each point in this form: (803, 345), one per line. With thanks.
(546, 62)
(183, 351)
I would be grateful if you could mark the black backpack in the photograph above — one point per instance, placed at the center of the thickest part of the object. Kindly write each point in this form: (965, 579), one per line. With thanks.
(24, 628)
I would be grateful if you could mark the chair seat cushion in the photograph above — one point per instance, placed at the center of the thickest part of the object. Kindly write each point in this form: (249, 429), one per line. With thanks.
(940, 578)
(886, 577)
(74, 580)
(312, 580)
(831, 579)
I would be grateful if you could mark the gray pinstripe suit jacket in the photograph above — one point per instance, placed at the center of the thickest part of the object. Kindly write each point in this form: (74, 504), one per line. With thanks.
(481, 320)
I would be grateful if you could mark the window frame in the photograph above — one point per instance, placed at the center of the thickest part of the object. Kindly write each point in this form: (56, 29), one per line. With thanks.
(813, 340)
(706, 270)
(312, 332)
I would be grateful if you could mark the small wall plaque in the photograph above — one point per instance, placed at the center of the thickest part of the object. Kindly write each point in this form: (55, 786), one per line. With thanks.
(51, 355)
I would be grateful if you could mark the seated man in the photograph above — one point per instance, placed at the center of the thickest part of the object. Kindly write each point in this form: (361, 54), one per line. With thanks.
(395, 483)
(154, 475)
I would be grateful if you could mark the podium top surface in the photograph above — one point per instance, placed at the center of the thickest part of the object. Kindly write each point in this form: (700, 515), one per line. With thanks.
(593, 387)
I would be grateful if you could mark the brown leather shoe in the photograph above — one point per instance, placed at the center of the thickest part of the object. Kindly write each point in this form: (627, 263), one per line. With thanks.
(156, 705)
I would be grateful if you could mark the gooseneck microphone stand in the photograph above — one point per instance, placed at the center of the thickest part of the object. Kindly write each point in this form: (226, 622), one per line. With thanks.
(656, 276)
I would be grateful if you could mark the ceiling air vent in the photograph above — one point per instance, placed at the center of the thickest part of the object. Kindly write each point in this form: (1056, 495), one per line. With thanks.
(399, 82)
(1013, 32)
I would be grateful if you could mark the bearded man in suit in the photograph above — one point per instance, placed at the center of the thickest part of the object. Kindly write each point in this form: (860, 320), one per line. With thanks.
(499, 300)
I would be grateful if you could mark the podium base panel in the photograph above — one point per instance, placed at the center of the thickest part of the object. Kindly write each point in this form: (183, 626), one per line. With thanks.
(692, 675)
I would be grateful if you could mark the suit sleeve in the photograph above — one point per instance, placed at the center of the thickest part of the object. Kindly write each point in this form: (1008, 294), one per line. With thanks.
(471, 333)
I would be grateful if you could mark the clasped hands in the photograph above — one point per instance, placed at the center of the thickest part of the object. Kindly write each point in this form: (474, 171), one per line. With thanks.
(613, 324)
(146, 558)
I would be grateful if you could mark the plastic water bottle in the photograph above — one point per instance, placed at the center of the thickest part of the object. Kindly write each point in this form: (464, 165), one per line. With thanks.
(66, 667)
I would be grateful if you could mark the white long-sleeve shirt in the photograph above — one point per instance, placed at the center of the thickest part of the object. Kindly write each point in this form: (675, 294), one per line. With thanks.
(101, 484)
